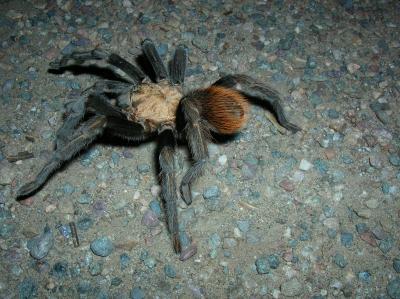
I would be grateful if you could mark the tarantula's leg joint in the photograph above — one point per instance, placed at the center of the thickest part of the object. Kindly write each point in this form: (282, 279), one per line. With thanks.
(252, 88)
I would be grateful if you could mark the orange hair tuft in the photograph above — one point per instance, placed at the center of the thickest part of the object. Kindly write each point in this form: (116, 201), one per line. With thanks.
(227, 110)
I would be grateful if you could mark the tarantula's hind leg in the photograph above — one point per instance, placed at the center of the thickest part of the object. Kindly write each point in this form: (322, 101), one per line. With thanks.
(254, 89)
(197, 133)
(155, 60)
(97, 54)
(168, 184)
(83, 136)
(177, 66)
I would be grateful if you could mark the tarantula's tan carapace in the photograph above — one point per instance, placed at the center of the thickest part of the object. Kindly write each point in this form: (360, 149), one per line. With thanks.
(140, 108)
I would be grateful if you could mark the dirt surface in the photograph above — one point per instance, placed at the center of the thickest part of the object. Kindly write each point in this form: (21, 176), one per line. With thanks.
(314, 214)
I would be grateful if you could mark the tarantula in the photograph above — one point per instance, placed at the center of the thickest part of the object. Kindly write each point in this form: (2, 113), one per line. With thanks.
(142, 108)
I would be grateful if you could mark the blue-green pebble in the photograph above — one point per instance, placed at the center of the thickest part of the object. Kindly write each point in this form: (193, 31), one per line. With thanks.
(262, 265)
(169, 270)
(137, 293)
(102, 246)
(346, 239)
(340, 260)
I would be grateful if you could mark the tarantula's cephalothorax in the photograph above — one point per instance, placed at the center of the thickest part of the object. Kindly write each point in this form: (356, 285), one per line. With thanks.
(142, 109)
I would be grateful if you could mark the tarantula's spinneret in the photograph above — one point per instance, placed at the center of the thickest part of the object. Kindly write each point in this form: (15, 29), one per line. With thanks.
(137, 109)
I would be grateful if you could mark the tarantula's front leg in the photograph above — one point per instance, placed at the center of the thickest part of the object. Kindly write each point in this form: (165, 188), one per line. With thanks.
(197, 133)
(98, 54)
(155, 60)
(177, 66)
(85, 134)
(254, 89)
(168, 184)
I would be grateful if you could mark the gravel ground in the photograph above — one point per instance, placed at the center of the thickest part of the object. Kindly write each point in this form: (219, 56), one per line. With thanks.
(310, 215)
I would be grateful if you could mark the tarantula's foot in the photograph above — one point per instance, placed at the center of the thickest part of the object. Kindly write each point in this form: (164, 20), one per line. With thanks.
(186, 193)
(27, 189)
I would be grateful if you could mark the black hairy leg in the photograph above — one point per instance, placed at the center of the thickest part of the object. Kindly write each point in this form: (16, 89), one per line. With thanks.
(177, 66)
(252, 88)
(134, 73)
(155, 60)
(74, 111)
(82, 137)
(168, 184)
(109, 86)
(197, 134)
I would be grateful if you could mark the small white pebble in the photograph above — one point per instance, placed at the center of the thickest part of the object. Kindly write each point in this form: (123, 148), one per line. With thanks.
(305, 165)
(237, 233)
(136, 195)
(222, 160)
(155, 190)
(50, 208)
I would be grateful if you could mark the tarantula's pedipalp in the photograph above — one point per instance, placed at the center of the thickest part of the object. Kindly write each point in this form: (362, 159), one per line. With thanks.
(155, 60)
(98, 54)
(85, 134)
(168, 184)
(142, 109)
(177, 66)
(255, 89)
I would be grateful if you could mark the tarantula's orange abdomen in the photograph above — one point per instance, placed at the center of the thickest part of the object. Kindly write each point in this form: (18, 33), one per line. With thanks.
(225, 109)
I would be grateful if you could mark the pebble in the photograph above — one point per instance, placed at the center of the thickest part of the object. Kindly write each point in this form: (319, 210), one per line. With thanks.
(169, 271)
(154, 205)
(346, 239)
(188, 252)
(305, 165)
(28, 288)
(150, 219)
(102, 246)
(40, 246)
(222, 160)
(287, 185)
(211, 192)
(124, 261)
(143, 168)
(243, 225)
(137, 293)
(262, 265)
(340, 260)
(292, 288)
(372, 203)
(85, 223)
(393, 288)
(396, 265)
(394, 160)
(364, 276)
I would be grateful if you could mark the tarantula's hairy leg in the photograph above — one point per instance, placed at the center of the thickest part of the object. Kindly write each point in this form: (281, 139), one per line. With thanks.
(85, 134)
(108, 86)
(168, 184)
(98, 54)
(255, 89)
(155, 60)
(197, 133)
(177, 66)
(75, 111)
(117, 121)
